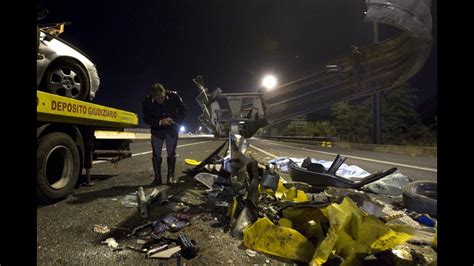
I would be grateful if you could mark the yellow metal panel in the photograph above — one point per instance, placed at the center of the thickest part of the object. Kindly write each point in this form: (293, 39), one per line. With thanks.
(103, 134)
(55, 108)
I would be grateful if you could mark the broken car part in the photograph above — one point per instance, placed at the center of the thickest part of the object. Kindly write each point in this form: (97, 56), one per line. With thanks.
(206, 179)
(270, 179)
(142, 203)
(165, 254)
(154, 250)
(174, 223)
(320, 178)
(188, 246)
(244, 219)
(130, 200)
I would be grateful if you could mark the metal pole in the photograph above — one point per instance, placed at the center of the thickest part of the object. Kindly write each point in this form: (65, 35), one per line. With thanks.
(377, 120)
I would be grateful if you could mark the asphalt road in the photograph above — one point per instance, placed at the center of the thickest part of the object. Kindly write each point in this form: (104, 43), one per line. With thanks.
(65, 230)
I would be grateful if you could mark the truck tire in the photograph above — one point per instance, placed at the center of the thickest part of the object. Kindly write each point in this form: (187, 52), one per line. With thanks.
(422, 197)
(57, 167)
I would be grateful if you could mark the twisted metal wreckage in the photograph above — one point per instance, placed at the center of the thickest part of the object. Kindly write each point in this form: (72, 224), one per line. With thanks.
(265, 209)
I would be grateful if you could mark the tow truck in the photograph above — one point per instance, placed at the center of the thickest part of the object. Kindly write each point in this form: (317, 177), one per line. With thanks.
(67, 142)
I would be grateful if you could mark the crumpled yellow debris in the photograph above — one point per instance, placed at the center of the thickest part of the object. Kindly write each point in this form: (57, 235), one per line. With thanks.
(192, 162)
(353, 234)
(232, 208)
(295, 195)
(285, 242)
(285, 223)
(280, 189)
(291, 194)
(300, 216)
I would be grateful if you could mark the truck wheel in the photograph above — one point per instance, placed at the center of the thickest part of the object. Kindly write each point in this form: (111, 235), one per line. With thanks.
(57, 166)
(421, 196)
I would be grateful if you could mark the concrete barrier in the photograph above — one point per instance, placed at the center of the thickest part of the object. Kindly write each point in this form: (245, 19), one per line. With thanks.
(407, 150)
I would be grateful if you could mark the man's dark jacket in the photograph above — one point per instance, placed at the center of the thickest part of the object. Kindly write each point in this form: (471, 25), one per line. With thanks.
(173, 106)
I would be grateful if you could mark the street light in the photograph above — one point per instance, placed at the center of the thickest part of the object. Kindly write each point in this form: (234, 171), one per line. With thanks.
(182, 129)
(269, 82)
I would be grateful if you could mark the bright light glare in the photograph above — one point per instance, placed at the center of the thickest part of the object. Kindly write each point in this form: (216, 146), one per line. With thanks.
(182, 129)
(269, 82)
(200, 128)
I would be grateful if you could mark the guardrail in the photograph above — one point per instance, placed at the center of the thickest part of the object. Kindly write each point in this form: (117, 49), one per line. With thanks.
(334, 142)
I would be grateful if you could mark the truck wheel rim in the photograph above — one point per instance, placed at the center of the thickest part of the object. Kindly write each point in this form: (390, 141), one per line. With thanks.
(59, 167)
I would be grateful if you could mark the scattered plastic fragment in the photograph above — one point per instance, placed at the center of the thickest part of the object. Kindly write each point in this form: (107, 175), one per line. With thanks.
(192, 162)
(250, 252)
(111, 242)
(102, 229)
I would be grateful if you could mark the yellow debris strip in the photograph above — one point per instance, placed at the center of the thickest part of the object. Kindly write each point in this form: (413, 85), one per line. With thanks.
(353, 234)
(267, 237)
(191, 162)
(232, 209)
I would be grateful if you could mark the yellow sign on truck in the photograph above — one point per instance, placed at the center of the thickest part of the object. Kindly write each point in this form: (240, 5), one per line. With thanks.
(55, 108)
(66, 141)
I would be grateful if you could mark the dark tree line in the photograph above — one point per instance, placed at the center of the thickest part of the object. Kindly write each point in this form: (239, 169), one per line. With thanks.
(353, 122)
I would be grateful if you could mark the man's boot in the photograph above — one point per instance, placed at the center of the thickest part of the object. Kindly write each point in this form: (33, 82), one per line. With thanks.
(157, 169)
(171, 165)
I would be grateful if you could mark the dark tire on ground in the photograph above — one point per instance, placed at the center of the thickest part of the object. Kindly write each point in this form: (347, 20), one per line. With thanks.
(67, 78)
(57, 167)
(422, 197)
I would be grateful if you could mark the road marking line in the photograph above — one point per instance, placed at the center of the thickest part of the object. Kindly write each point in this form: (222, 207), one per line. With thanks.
(354, 157)
(147, 152)
(260, 150)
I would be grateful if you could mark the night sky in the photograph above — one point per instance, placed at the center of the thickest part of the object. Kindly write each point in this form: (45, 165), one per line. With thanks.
(233, 44)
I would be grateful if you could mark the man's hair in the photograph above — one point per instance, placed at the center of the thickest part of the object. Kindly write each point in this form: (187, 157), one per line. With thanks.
(157, 89)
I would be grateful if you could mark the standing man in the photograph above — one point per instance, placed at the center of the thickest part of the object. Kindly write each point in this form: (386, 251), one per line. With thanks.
(164, 111)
